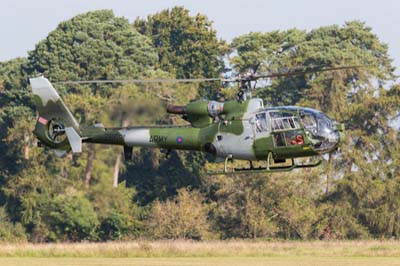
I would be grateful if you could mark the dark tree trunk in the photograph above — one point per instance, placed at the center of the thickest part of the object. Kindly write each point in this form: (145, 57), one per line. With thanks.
(26, 145)
(89, 165)
(116, 169)
(329, 173)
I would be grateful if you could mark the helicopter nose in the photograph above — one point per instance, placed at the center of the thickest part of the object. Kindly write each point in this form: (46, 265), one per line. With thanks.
(333, 139)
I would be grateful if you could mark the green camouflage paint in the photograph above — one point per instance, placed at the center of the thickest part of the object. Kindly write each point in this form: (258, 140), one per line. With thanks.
(225, 132)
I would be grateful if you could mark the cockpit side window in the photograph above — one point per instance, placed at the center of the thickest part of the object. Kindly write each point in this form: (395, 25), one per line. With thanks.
(261, 122)
(309, 121)
(324, 122)
(321, 131)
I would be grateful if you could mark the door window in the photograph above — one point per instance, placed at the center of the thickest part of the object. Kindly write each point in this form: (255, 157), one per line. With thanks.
(281, 121)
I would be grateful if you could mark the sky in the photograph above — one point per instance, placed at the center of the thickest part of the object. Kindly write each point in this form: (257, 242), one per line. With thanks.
(25, 23)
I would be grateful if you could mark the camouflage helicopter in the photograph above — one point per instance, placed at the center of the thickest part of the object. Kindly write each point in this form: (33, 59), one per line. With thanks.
(241, 129)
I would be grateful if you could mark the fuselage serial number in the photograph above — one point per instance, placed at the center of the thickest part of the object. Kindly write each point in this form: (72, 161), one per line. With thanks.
(158, 139)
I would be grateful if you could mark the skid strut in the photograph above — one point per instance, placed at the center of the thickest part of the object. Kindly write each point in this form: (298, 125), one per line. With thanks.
(269, 168)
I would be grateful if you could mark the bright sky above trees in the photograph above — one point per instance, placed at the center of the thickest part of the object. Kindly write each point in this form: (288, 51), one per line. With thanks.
(24, 23)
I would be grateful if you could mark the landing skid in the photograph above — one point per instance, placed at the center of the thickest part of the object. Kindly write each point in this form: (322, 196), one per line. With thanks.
(269, 168)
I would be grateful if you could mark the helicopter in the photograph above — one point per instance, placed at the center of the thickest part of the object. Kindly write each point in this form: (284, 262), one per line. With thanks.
(241, 129)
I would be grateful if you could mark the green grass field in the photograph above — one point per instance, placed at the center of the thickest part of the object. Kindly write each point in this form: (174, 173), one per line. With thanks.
(218, 253)
(210, 261)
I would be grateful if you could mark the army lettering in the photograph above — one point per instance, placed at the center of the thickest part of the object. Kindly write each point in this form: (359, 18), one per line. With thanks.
(158, 139)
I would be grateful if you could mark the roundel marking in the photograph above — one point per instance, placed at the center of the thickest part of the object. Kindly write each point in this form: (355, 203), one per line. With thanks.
(179, 140)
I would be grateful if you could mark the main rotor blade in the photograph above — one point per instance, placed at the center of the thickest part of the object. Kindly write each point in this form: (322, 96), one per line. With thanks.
(288, 72)
(138, 81)
(305, 70)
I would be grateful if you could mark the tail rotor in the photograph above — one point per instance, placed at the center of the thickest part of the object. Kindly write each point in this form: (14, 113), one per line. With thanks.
(56, 127)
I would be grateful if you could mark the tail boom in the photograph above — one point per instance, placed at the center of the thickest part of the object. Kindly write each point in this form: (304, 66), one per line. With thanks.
(170, 138)
(58, 129)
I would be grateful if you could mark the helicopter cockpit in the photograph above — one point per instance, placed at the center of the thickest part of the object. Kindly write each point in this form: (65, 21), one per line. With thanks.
(320, 130)
(286, 124)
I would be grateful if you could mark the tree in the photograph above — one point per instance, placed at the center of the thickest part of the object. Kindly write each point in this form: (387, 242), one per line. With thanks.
(10, 232)
(118, 215)
(95, 45)
(352, 44)
(72, 217)
(187, 45)
(355, 195)
(184, 217)
(356, 97)
(15, 112)
(243, 206)
(259, 53)
(18, 195)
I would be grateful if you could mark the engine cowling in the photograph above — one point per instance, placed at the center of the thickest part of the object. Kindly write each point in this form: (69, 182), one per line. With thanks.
(199, 113)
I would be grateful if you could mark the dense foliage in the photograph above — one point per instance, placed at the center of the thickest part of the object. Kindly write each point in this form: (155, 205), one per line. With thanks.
(96, 196)
(187, 46)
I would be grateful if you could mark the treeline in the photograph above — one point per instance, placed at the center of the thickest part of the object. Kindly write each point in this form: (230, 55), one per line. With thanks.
(97, 196)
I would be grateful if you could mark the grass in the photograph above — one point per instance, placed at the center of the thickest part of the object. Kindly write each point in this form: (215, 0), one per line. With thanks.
(230, 261)
(210, 253)
(206, 249)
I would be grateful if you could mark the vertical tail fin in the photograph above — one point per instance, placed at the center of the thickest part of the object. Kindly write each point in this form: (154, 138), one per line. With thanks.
(56, 127)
